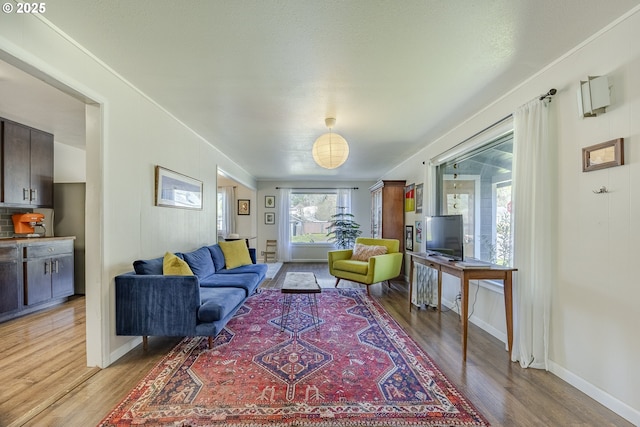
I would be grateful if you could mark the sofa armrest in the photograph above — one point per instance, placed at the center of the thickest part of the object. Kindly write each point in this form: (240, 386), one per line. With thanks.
(385, 267)
(156, 304)
(338, 255)
(252, 255)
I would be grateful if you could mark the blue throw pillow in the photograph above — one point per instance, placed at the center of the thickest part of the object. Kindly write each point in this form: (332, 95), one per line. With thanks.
(200, 262)
(217, 255)
(148, 266)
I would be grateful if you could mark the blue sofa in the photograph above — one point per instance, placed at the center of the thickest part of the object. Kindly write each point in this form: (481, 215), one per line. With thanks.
(150, 303)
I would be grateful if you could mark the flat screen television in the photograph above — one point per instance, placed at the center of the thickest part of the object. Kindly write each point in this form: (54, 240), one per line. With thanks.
(444, 236)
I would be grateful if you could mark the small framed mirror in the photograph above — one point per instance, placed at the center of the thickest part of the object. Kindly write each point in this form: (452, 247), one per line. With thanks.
(604, 155)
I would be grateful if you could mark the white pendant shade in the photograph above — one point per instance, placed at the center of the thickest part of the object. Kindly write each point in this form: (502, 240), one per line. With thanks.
(330, 150)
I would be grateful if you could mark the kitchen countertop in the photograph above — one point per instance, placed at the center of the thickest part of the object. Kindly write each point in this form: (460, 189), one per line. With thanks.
(14, 240)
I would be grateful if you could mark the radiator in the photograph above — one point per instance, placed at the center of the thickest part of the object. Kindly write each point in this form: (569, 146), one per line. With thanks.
(425, 286)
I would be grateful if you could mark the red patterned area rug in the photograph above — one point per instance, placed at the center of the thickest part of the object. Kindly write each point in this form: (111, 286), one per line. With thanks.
(355, 366)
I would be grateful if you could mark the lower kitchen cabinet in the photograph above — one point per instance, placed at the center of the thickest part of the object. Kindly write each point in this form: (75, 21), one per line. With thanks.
(34, 274)
(48, 271)
(10, 279)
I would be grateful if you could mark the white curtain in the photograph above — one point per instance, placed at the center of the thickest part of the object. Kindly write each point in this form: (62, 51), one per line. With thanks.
(284, 241)
(228, 225)
(344, 199)
(533, 208)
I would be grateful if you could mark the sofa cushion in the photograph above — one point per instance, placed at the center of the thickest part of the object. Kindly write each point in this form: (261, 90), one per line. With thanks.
(364, 252)
(200, 262)
(174, 266)
(148, 266)
(259, 269)
(358, 267)
(217, 256)
(217, 303)
(247, 281)
(236, 253)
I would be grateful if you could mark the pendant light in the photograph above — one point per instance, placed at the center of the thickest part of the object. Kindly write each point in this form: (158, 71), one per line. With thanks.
(330, 150)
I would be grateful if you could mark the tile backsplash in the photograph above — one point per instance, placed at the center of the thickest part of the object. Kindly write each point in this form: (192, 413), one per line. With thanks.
(6, 224)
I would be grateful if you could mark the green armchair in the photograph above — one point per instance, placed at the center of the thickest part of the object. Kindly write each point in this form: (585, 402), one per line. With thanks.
(378, 268)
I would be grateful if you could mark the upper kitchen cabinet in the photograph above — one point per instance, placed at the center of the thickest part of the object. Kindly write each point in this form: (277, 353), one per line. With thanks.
(27, 166)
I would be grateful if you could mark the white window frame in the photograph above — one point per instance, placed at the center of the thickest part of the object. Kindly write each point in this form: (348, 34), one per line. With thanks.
(343, 197)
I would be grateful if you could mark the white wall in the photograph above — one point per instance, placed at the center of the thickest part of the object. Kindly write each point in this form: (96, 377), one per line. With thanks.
(127, 135)
(70, 163)
(360, 208)
(594, 340)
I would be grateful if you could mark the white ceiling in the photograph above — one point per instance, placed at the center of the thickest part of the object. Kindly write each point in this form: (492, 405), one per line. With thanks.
(257, 78)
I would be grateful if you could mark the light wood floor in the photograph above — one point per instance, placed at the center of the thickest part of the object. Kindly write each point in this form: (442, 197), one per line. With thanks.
(44, 380)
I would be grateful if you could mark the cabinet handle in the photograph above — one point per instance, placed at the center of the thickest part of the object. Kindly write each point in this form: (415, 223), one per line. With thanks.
(34, 194)
(55, 270)
(25, 194)
(46, 270)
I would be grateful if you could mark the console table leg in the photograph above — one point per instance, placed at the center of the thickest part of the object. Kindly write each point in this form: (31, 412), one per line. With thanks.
(508, 306)
(410, 282)
(463, 316)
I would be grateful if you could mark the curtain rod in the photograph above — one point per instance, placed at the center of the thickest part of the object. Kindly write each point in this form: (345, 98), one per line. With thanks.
(316, 188)
(475, 134)
(548, 95)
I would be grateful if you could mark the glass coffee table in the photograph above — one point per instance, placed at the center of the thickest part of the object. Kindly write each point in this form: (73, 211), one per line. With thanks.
(302, 284)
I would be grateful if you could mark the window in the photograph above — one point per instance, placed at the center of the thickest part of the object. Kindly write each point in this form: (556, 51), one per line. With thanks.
(477, 184)
(310, 213)
(309, 216)
(225, 213)
(221, 213)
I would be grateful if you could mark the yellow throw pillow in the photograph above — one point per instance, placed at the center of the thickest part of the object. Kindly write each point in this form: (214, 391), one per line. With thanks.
(235, 253)
(364, 252)
(174, 266)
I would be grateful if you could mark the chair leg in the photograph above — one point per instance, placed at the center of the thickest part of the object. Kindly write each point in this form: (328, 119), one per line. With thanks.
(337, 281)
(368, 293)
(145, 342)
(210, 343)
(388, 283)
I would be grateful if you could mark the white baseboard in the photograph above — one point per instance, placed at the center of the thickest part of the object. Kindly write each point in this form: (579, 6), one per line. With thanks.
(620, 408)
(124, 349)
(480, 323)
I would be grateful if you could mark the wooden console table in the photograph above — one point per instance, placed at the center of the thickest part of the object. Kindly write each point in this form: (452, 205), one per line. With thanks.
(490, 272)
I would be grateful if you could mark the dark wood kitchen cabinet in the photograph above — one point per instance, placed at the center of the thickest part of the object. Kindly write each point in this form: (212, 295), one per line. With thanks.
(27, 166)
(48, 271)
(10, 279)
(35, 273)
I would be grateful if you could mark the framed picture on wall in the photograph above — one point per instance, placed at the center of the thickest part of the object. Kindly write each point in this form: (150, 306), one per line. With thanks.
(244, 207)
(410, 198)
(418, 231)
(604, 155)
(269, 218)
(419, 188)
(269, 201)
(174, 190)
(408, 237)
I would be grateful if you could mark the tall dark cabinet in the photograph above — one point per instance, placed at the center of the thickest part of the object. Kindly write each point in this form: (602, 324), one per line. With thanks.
(387, 211)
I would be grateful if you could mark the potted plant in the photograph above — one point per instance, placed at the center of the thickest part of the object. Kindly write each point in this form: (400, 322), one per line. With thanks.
(343, 230)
